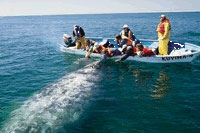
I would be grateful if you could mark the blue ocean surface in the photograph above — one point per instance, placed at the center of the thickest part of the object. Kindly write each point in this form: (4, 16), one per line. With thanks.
(43, 89)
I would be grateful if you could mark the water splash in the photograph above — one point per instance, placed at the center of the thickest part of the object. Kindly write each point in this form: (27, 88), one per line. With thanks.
(62, 102)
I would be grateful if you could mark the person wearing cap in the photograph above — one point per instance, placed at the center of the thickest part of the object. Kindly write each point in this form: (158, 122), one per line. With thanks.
(126, 35)
(128, 51)
(163, 30)
(97, 48)
(89, 44)
(79, 35)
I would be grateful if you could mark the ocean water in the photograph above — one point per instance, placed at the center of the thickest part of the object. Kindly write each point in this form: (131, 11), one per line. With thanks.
(43, 89)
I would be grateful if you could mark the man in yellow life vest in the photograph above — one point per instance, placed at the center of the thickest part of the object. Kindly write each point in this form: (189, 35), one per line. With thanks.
(163, 30)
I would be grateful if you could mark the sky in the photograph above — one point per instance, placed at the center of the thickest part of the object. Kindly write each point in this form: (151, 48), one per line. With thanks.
(53, 7)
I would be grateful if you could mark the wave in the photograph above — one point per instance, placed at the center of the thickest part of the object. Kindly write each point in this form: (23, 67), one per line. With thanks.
(61, 102)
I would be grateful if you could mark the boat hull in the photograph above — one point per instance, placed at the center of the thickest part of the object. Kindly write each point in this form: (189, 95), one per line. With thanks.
(186, 57)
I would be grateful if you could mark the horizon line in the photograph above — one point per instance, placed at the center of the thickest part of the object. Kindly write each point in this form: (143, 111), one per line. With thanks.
(29, 15)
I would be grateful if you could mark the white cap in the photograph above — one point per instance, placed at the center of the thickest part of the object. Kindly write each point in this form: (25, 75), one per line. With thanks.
(96, 45)
(162, 16)
(129, 47)
(66, 35)
(124, 46)
(125, 26)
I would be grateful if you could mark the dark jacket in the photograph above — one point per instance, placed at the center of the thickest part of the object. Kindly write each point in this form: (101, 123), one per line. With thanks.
(79, 32)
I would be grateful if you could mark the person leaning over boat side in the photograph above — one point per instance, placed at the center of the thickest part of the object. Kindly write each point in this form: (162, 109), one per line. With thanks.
(89, 44)
(163, 30)
(89, 47)
(142, 51)
(110, 52)
(129, 51)
(97, 48)
(79, 35)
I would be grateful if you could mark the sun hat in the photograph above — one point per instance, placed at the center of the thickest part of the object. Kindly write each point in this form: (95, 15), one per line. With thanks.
(125, 26)
(162, 16)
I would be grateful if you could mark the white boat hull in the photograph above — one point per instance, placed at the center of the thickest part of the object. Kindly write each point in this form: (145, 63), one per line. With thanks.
(186, 57)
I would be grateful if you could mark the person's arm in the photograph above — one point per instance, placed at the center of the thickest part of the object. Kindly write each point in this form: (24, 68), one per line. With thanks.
(88, 54)
(129, 53)
(130, 35)
(123, 35)
(73, 34)
(133, 37)
(82, 32)
(166, 30)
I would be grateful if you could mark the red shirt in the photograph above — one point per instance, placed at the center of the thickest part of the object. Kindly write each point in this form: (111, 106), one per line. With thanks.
(148, 52)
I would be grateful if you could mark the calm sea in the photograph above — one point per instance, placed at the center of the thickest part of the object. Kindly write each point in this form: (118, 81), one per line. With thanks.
(43, 89)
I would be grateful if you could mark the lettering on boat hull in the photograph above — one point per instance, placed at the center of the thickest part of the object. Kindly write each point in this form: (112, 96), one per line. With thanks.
(176, 57)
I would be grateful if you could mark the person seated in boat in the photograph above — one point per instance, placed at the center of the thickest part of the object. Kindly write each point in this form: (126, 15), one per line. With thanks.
(127, 51)
(79, 35)
(127, 36)
(68, 40)
(110, 52)
(143, 51)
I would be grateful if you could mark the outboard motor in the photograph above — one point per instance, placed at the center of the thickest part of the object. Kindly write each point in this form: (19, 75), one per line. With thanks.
(68, 40)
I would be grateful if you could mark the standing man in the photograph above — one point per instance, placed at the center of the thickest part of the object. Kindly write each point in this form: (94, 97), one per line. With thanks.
(79, 35)
(163, 30)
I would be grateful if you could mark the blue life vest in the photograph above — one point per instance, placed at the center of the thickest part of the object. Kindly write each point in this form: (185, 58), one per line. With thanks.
(127, 33)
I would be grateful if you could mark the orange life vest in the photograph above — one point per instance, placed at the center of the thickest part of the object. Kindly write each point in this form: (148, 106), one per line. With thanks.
(162, 26)
(101, 48)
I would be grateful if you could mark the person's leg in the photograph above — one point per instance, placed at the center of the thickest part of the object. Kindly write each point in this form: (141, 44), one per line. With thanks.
(78, 44)
(163, 47)
(82, 40)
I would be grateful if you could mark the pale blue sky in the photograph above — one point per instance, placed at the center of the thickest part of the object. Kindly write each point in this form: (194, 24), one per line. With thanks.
(50, 7)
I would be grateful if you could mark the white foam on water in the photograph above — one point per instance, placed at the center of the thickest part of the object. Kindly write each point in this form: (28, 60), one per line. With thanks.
(61, 102)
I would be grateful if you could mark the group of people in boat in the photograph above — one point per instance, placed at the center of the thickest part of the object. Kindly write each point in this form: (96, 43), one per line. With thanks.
(126, 44)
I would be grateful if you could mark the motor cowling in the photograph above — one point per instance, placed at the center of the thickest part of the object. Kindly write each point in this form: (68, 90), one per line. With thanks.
(67, 39)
